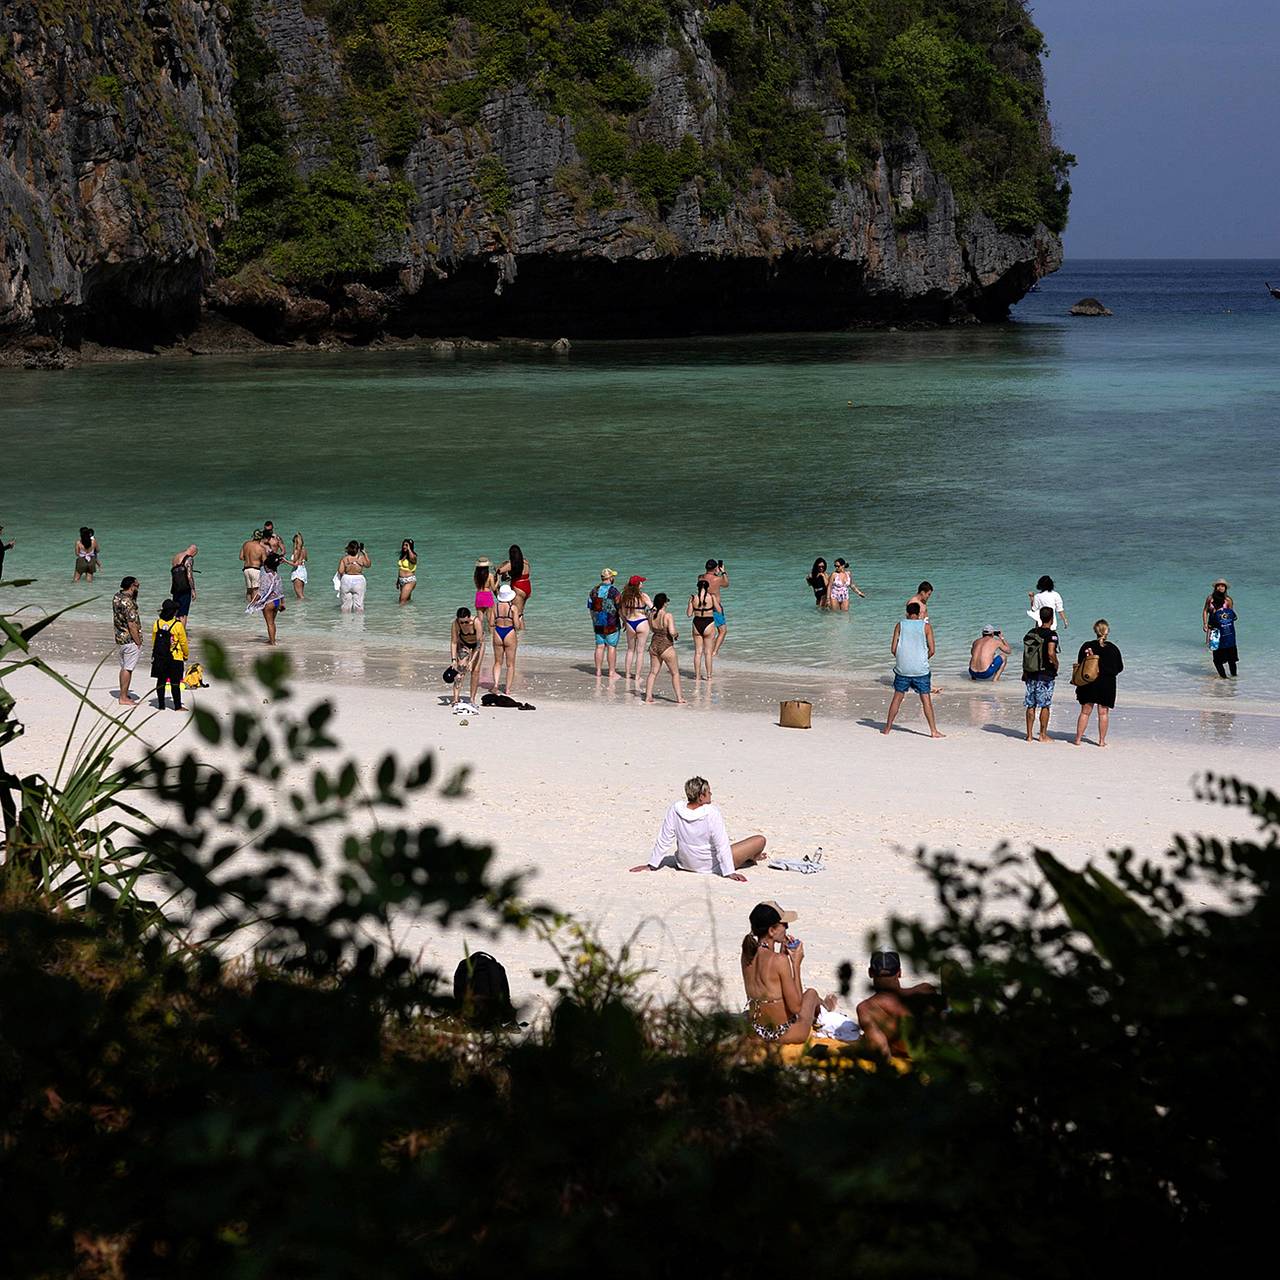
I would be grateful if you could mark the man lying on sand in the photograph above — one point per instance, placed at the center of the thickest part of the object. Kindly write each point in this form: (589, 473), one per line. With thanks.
(696, 828)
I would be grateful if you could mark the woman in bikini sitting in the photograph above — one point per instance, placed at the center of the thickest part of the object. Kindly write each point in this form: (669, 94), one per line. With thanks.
(703, 606)
(508, 622)
(662, 648)
(779, 1009)
(634, 607)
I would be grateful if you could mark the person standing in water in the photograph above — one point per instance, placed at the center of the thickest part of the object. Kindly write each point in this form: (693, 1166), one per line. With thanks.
(520, 571)
(921, 597)
(299, 561)
(912, 648)
(252, 553)
(1219, 584)
(662, 648)
(818, 581)
(634, 608)
(602, 605)
(88, 556)
(182, 581)
(271, 539)
(840, 585)
(406, 570)
(1045, 596)
(702, 609)
(1100, 692)
(270, 594)
(1222, 634)
(718, 579)
(351, 580)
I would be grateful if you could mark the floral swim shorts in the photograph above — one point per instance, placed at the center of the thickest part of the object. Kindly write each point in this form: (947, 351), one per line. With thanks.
(1039, 693)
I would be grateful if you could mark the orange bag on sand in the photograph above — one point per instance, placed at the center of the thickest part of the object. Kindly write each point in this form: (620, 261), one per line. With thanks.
(795, 713)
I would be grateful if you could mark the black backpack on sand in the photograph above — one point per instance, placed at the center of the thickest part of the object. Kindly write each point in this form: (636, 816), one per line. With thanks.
(481, 988)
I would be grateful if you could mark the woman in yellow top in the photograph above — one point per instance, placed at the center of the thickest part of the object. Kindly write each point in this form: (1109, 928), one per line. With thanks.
(169, 653)
(406, 570)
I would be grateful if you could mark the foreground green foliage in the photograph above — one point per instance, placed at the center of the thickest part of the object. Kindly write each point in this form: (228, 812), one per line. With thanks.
(963, 74)
(1099, 1094)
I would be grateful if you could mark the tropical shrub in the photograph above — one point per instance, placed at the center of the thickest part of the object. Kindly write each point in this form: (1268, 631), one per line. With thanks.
(1097, 1093)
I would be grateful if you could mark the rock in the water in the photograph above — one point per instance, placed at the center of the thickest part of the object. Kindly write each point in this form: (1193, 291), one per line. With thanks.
(561, 346)
(1089, 307)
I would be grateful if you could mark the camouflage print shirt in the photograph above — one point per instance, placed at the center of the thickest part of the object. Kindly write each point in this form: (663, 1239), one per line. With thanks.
(124, 610)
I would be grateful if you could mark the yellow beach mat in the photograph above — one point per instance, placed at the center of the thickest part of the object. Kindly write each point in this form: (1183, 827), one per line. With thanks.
(837, 1055)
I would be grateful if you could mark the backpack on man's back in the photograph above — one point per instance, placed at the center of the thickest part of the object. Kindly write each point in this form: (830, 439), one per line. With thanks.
(1035, 654)
(604, 608)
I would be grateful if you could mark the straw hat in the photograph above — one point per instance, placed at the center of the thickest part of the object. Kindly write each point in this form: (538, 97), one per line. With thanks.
(483, 562)
(608, 575)
(1223, 583)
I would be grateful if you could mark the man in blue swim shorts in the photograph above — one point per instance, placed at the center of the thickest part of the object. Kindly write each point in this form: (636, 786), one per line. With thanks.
(602, 605)
(988, 656)
(912, 648)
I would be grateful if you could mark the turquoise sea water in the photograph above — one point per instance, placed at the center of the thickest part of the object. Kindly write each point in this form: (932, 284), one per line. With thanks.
(1132, 459)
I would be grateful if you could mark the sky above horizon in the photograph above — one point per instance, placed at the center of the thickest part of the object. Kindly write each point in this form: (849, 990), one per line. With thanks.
(1172, 107)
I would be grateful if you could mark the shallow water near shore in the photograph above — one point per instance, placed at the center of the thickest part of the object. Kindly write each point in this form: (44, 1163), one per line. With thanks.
(1132, 459)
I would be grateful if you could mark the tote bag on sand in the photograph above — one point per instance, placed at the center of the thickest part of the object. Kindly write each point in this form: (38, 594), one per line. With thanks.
(795, 714)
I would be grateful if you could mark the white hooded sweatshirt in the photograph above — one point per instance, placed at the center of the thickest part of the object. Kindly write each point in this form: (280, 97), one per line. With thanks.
(702, 843)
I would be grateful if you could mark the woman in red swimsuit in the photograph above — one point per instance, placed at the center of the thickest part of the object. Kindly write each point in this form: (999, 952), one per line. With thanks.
(518, 567)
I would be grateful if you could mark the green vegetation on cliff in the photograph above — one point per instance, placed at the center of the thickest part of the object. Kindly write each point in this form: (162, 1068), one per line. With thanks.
(963, 75)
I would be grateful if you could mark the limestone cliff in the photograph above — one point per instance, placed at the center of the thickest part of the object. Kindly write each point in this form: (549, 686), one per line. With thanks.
(117, 152)
(519, 166)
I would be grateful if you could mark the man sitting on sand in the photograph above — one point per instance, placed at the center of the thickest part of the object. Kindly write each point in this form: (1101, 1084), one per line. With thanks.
(696, 828)
(880, 1015)
(988, 656)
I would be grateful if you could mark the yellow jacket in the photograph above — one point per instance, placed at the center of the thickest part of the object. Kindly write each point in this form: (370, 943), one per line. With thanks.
(181, 650)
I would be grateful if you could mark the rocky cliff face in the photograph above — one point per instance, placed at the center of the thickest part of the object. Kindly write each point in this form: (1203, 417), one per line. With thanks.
(117, 152)
(120, 151)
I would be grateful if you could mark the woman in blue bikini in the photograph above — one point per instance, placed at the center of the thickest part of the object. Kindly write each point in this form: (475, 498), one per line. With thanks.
(508, 622)
(634, 606)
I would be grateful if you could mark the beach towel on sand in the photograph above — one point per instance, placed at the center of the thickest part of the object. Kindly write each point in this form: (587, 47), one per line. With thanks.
(806, 866)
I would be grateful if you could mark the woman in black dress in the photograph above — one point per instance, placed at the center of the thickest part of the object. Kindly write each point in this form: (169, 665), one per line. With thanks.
(1100, 693)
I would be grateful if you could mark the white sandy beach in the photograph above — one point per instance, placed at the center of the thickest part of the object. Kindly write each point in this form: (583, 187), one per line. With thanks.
(573, 794)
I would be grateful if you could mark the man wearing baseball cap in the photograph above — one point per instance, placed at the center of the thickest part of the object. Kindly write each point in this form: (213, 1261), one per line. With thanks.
(880, 1016)
(602, 605)
(988, 655)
